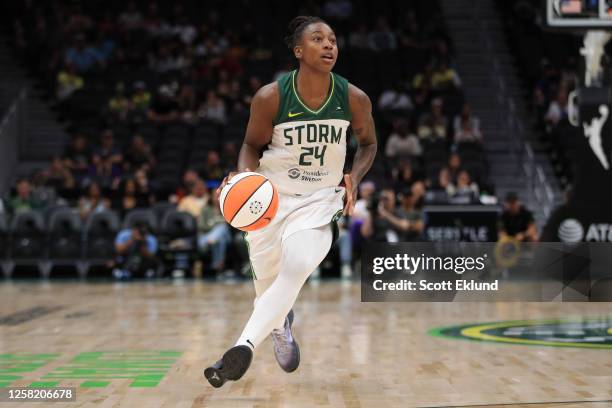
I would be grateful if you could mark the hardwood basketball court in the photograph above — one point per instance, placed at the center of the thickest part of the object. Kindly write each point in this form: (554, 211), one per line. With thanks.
(145, 344)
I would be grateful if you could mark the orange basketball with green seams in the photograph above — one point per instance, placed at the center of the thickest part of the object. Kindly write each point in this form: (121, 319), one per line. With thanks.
(249, 201)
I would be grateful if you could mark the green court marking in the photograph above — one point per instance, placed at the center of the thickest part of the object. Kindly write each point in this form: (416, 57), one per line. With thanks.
(145, 368)
(592, 333)
(144, 384)
(44, 384)
(13, 364)
(94, 384)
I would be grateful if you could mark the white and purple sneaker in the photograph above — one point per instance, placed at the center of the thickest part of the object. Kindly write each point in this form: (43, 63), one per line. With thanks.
(286, 349)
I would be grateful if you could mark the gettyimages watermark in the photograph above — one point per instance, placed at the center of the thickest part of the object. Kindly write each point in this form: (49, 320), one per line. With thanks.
(489, 272)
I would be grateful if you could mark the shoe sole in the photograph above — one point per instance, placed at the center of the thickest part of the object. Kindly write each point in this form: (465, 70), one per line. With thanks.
(297, 363)
(235, 363)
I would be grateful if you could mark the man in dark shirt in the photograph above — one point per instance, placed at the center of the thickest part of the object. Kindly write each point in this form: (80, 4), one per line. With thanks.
(77, 157)
(165, 108)
(517, 221)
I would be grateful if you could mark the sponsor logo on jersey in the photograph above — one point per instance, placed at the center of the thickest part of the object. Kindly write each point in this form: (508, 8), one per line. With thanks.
(294, 173)
(310, 176)
(583, 333)
(292, 115)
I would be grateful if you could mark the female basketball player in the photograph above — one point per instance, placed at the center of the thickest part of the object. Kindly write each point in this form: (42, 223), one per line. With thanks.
(303, 119)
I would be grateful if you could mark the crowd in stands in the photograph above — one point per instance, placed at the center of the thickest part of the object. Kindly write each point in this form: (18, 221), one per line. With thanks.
(548, 62)
(157, 96)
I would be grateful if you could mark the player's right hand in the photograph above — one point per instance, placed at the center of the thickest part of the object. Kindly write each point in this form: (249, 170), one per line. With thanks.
(227, 179)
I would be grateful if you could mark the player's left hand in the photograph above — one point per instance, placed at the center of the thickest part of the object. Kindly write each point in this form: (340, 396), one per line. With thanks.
(351, 195)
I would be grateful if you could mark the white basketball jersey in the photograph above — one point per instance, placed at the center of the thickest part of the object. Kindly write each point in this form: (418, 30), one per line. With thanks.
(308, 148)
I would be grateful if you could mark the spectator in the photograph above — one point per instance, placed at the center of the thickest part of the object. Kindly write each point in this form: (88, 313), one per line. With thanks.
(403, 176)
(517, 221)
(254, 85)
(196, 200)
(131, 19)
(419, 191)
(68, 82)
(443, 182)
(466, 191)
(136, 250)
(229, 156)
(139, 155)
(24, 200)
(402, 142)
(42, 192)
(58, 176)
(141, 99)
(104, 48)
(184, 30)
(454, 166)
(213, 232)
(143, 185)
(76, 158)
(410, 217)
(383, 223)
(410, 36)
(164, 107)
(445, 78)
(422, 90)
(213, 109)
(423, 79)
(166, 61)
(557, 110)
(187, 101)
(213, 170)
(467, 133)
(382, 38)
(106, 160)
(366, 192)
(82, 56)
(466, 114)
(119, 105)
(433, 125)
(190, 177)
(130, 198)
(395, 99)
(93, 202)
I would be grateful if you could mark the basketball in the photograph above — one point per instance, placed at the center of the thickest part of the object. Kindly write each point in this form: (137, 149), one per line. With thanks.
(248, 201)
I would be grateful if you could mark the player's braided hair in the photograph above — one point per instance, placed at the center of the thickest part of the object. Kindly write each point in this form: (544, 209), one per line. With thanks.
(297, 26)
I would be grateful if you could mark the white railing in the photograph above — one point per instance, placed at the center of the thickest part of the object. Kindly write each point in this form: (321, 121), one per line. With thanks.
(540, 194)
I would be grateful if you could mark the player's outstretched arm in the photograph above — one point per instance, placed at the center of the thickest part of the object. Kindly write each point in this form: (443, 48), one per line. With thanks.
(264, 107)
(365, 133)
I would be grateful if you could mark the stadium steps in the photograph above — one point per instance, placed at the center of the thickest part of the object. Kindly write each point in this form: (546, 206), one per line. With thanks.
(44, 135)
(491, 83)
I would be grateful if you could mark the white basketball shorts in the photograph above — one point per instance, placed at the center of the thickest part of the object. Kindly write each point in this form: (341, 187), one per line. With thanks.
(295, 213)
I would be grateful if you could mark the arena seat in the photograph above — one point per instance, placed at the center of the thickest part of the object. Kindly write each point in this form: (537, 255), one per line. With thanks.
(100, 231)
(146, 216)
(29, 241)
(4, 238)
(65, 234)
(178, 224)
(161, 208)
(65, 241)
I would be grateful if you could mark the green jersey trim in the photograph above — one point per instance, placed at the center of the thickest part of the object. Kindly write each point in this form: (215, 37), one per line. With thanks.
(329, 97)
